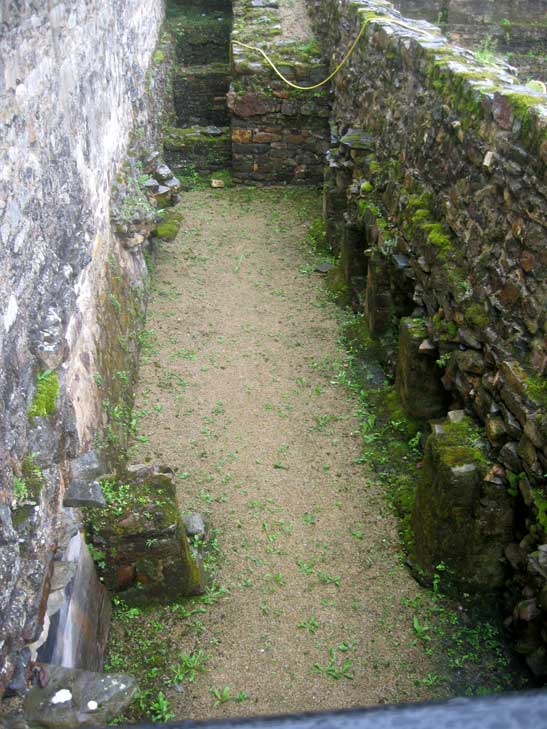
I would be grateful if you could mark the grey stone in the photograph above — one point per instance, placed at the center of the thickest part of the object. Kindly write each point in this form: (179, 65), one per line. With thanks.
(87, 466)
(195, 526)
(151, 185)
(84, 493)
(78, 612)
(509, 456)
(173, 184)
(323, 267)
(264, 4)
(18, 682)
(70, 698)
(401, 261)
(163, 172)
(8, 535)
(212, 131)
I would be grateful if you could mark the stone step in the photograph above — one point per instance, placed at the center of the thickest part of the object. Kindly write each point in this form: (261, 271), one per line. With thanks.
(201, 38)
(205, 148)
(200, 95)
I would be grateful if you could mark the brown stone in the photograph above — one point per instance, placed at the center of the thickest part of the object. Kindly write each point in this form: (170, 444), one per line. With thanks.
(253, 104)
(125, 576)
(496, 432)
(509, 294)
(264, 137)
(527, 261)
(241, 136)
(502, 111)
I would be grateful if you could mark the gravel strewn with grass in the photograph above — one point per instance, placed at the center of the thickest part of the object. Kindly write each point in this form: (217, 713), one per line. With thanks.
(241, 386)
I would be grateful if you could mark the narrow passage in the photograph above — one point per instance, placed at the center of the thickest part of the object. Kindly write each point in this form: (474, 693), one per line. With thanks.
(240, 383)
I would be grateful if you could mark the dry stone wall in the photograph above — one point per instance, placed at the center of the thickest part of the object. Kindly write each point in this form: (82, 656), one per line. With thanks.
(73, 87)
(435, 198)
(279, 134)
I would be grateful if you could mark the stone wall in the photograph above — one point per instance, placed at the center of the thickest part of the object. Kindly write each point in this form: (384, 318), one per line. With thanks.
(436, 201)
(73, 86)
(279, 134)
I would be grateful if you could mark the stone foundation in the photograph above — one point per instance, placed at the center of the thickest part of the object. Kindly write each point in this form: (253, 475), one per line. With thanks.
(279, 134)
(440, 163)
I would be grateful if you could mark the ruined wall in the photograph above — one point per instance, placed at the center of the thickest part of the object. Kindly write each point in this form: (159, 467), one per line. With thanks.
(279, 134)
(73, 86)
(439, 177)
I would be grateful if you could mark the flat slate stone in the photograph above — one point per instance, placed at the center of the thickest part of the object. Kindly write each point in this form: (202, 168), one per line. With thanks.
(68, 698)
(78, 612)
(323, 267)
(84, 493)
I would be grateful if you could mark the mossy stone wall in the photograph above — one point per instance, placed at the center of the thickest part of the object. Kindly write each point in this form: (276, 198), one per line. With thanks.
(279, 134)
(442, 163)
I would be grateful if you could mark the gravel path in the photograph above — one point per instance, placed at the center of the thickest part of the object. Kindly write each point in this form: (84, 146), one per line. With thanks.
(295, 21)
(243, 399)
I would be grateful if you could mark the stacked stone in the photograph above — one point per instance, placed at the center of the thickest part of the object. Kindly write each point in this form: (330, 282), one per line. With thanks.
(440, 164)
(279, 135)
(198, 140)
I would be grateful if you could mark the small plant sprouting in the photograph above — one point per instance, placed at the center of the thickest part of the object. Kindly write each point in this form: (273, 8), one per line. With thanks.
(443, 360)
(189, 665)
(333, 669)
(420, 630)
(311, 625)
(20, 489)
(160, 709)
(221, 696)
(327, 579)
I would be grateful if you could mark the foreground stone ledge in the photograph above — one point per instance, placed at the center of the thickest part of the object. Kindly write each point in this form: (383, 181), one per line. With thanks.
(143, 538)
(65, 698)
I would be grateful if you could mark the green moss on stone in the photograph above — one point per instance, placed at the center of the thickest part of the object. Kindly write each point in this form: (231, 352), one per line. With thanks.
(45, 397)
(170, 225)
(536, 389)
(475, 314)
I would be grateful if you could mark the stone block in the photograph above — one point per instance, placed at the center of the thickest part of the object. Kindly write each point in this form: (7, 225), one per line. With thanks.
(460, 518)
(144, 539)
(418, 377)
(378, 302)
(65, 698)
(77, 614)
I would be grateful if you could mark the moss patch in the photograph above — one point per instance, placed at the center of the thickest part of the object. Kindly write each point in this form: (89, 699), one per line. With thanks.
(45, 397)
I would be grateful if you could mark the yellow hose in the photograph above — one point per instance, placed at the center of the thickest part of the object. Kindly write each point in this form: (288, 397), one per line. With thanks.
(342, 62)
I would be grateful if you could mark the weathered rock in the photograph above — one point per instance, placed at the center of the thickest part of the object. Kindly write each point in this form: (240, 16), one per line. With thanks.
(418, 377)
(496, 432)
(527, 610)
(69, 698)
(509, 456)
(378, 301)
(195, 526)
(323, 267)
(81, 494)
(145, 542)
(459, 518)
(77, 613)
(163, 172)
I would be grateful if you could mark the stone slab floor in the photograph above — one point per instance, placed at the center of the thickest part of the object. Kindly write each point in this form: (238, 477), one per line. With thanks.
(240, 393)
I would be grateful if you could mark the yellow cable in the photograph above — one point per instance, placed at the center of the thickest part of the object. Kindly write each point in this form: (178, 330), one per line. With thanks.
(342, 62)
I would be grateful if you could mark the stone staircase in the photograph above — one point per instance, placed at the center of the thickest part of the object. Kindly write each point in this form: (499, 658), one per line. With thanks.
(200, 143)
